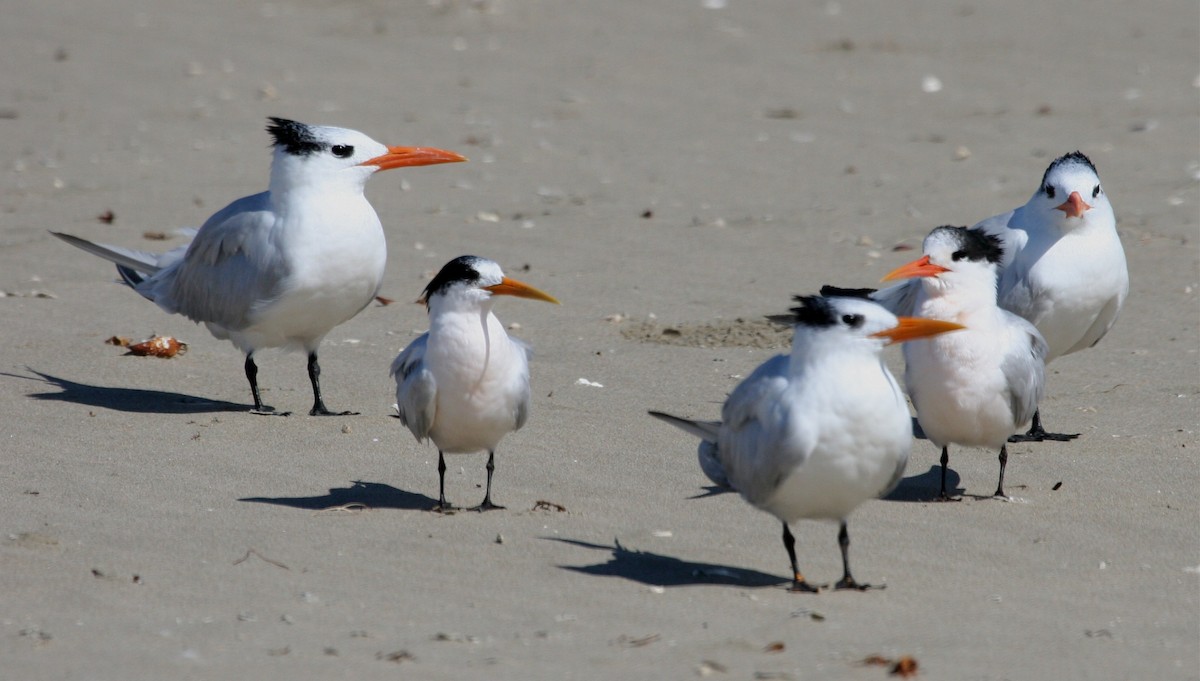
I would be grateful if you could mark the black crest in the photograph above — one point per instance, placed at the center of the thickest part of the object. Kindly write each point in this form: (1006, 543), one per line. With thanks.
(460, 269)
(815, 311)
(975, 244)
(864, 293)
(296, 138)
(1073, 158)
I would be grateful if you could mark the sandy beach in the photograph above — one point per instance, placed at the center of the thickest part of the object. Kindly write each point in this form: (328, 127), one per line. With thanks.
(672, 172)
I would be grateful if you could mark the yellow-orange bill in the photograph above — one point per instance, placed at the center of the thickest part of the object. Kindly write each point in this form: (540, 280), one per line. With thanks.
(912, 328)
(512, 287)
(921, 267)
(1074, 206)
(401, 157)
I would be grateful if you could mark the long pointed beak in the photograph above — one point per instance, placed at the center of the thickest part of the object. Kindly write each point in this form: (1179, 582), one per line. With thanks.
(512, 287)
(400, 157)
(917, 268)
(1074, 206)
(912, 328)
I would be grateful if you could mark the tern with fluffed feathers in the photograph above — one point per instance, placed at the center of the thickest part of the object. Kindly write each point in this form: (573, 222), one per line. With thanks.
(977, 387)
(465, 383)
(281, 268)
(1063, 270)
(815, 433)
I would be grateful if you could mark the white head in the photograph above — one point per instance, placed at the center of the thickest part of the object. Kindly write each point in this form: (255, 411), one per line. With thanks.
(957, 260)
(1070, 194)
(829, 324)
(330, 157)
(469, 282)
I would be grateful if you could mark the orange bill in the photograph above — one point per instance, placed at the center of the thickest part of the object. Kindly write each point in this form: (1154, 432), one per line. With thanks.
(1074, 206)
(512, 287)
(912, 328)
(917, 268)
(401, 157)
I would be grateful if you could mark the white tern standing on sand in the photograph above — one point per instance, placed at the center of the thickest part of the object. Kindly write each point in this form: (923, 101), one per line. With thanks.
(465, 383)
(1064, 268)
(816, 433)
(976, 387)
(281, 268)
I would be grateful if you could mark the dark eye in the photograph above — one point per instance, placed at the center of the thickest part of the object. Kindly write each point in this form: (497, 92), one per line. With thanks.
(1096, 191)
(958, 255)
(1049, 191)
(342, 150)
(852, 320)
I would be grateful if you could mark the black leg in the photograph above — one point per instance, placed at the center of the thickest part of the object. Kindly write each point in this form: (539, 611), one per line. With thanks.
(847, 581)
(943, 496)
(252, 376)
(487, 504)
(314, 376)
(442, 506)
(799, 584)
(1003, 463)
(1038, 434)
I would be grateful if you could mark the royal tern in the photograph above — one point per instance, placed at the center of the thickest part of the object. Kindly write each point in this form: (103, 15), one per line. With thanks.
(465, 383)
(977, 387)
(817, 432)
(1063, 269)
(281, 268)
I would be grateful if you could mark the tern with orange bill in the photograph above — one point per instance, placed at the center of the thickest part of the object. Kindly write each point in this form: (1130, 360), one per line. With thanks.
(281, 268)
(977, 387)
(815, 433)
(1064, 268)
(465, 383)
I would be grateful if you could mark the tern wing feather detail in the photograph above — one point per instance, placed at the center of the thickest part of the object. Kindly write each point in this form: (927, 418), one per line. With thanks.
(1025, 373)
(416, 389)
(232, 268)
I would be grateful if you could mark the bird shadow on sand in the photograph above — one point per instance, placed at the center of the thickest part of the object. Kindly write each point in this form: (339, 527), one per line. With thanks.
(654, 569)
(364, 494)
(712, 491)
(924, 487)
(126, 399)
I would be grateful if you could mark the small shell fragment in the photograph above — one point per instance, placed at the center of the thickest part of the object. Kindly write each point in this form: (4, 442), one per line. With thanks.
(905, 667)
(158, 346)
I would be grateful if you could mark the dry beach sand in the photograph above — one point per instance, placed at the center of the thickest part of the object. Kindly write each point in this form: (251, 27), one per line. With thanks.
(678, 165)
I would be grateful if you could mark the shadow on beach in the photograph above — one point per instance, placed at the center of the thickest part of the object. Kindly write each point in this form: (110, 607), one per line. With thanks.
(658, 570)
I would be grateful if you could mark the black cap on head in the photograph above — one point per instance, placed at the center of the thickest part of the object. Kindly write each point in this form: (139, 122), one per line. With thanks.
(864, 293)
(975, 244)
(296, 138)
(460, 269)
(814, 311)
(1075, 157)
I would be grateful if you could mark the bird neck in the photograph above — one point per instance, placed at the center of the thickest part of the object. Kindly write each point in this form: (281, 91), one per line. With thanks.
(963, 291)
(291, 181)
(814, 352)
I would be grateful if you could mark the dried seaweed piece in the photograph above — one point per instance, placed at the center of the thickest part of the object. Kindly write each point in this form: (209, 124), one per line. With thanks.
(905, 666)
(158, 346)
